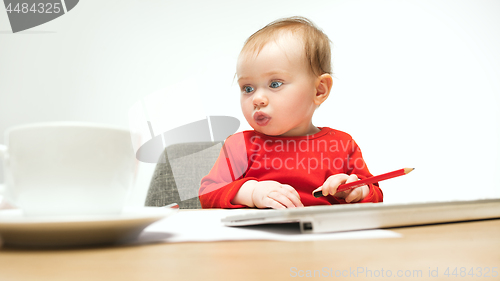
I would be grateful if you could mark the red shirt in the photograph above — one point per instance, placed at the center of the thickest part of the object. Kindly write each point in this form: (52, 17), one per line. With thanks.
(303, 162)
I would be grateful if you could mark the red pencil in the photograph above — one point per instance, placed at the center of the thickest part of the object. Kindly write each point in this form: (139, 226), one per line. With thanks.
(386, 176)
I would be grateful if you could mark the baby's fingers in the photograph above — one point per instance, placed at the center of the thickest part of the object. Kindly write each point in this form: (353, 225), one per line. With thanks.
(324, 188)
(346, 193)
(281, 199)
(271, 203)
(333, 183)
(354, 195)
(291, 189)
(357, 194)
(352, 178)
(292, 194)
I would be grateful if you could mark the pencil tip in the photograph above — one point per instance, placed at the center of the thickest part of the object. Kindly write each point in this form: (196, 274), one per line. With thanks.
(407, 170)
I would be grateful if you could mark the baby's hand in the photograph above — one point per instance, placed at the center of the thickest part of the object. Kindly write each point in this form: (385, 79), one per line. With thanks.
(352, 195)
(272, 194)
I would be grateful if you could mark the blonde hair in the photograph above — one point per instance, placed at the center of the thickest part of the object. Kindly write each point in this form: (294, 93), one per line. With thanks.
(316, 43)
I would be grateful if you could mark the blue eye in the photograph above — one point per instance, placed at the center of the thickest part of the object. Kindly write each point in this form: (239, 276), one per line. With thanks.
(276, 84)
(248, 89)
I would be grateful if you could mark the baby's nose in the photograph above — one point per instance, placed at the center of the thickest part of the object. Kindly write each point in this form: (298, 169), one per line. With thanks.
(260, 99)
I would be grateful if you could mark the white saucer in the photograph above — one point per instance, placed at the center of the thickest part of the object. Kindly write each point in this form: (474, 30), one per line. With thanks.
(18, 230)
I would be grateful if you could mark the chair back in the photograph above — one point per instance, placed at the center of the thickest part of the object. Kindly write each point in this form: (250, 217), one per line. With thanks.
(178, 174)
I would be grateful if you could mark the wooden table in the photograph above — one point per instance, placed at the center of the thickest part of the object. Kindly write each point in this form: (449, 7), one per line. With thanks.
(422, 251)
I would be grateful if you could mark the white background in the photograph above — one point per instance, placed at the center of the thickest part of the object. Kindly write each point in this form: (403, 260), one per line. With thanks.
(417, 83)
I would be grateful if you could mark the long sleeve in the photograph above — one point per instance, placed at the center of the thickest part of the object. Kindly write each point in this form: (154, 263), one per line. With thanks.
(356, 165)
(302, 162)
(225, 179)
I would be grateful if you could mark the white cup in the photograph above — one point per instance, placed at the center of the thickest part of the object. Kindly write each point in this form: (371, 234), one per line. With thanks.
(68, 168)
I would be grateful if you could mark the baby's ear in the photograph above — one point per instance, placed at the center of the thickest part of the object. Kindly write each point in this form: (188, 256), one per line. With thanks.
(323, 86)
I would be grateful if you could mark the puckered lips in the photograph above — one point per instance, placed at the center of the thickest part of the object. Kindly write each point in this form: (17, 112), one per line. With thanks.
(261, 118)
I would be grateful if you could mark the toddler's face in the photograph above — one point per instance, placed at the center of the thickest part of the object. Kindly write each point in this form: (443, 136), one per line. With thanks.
(278, 89)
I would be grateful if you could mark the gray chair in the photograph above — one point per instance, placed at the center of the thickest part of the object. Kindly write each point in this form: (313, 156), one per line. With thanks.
(178, 173)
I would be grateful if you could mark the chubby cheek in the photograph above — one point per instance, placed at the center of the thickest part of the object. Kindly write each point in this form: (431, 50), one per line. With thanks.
(247, 108)
(301, 102)
(290, 105)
